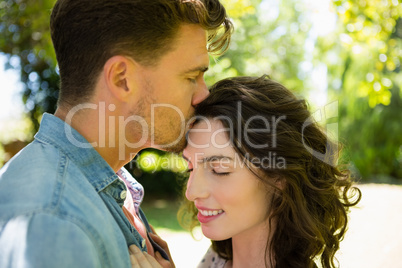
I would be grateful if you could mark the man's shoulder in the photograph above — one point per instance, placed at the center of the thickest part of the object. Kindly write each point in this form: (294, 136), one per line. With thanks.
(43, 238)
(34, 165)
(51, 240)
(42, 178)
(33, 160)
(35, 180)
(45, 193)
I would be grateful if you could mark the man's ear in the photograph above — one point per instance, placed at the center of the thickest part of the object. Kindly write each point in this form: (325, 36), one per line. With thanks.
(117, 73)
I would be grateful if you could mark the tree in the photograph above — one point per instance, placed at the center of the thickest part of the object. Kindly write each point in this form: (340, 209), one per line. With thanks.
(267, 40)
(260, 45)
(364, 73)
(26, 38)
(362, 59)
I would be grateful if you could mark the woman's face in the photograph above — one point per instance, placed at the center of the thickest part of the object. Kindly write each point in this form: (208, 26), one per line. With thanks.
(230, 199)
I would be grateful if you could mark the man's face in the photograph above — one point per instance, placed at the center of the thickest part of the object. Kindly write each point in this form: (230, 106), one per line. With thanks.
(171, 89)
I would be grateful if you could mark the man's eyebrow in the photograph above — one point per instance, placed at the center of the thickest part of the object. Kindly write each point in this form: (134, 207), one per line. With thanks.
(201, 69)
(215, 158)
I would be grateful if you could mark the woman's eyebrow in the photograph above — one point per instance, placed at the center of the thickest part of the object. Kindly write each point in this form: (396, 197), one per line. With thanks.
(216, 158)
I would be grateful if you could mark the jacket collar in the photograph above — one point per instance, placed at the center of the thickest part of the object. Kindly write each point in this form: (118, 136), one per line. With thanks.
(59, 134)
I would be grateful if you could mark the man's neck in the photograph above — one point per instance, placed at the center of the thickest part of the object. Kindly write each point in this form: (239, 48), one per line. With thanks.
(100, 133)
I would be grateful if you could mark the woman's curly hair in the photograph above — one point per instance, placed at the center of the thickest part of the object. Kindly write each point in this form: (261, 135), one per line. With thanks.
(310, 208)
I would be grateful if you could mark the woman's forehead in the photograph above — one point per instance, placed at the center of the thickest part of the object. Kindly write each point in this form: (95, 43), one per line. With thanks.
(208, 133)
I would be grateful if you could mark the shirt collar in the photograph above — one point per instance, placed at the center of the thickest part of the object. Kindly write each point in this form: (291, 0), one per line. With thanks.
(56, 132)
(135, 188)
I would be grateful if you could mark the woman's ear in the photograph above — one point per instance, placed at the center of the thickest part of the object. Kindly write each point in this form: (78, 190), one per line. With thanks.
(117, 73)
(280, 182)
(277, 181)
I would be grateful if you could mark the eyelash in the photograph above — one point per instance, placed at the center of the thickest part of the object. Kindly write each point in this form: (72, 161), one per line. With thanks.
(221, 173)
(192, 80)
(213, 171)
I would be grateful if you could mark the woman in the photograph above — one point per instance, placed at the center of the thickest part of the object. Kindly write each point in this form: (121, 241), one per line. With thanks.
(264, 182)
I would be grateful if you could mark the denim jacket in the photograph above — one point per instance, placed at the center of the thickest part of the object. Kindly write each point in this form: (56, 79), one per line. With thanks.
(60, 205)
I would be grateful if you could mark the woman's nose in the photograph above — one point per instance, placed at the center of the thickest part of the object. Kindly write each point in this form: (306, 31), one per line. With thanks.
(197, 186)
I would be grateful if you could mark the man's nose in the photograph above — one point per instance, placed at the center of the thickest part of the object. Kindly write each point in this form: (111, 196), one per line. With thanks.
(200, 94)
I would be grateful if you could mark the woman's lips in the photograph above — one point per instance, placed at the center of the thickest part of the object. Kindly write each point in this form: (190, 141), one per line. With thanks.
(207, 215)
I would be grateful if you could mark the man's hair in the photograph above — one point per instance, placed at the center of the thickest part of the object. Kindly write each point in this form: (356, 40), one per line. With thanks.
(86, 33)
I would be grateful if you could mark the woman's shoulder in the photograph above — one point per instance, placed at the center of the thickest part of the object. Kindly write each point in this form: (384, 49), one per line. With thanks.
(211, 259)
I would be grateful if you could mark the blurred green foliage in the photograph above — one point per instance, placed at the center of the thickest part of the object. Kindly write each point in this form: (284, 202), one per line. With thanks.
(25, 39)
(161, 174)
(162, 212)
(362, 58)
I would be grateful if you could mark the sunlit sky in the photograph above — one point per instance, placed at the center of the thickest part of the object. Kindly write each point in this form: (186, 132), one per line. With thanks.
(10, 87)
(323, 19)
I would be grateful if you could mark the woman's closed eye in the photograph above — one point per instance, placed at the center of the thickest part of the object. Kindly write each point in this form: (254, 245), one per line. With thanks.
(220, 168)
(220, 173)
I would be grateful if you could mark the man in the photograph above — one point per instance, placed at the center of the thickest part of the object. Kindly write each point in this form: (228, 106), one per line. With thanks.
(131, 73)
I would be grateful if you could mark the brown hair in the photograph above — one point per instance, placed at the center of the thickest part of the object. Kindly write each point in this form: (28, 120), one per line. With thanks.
(311, 207)
(86, 33)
